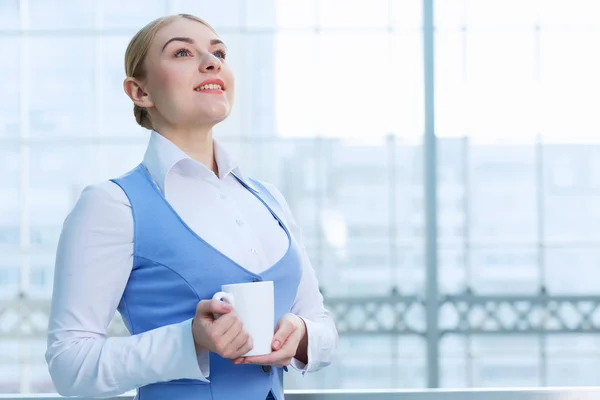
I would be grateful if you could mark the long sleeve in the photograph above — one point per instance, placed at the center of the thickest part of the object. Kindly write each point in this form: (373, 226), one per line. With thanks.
(93, 263)
(320, 326)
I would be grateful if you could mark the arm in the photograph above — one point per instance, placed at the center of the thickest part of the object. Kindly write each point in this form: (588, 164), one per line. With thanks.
(317, 346)
(93, 263)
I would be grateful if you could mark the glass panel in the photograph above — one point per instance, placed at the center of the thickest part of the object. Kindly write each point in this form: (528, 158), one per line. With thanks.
(60, 173)
(131, 14)
(452, 191)
(61, 14)
(9, 15)
(9, 377)
(498, 270)
(452, 114)
(410, 217)
(407, 14)
(570, 370)
(573, 360)
(222, 15)
(505, 361)
(118, 118)
(371, 116)
(401, 108)
(62, 91)
(570, 270)
(569, 12)
(40, 377)
(41, 275)
(449, 14)
(454, 275)
(296, 13)
(361, 173)
(502, 193)
(72, 166)
(10, 263)
(356, 14)
(255, 90)
(569, 86)
(380, 362)
(571, 195)
(503, 13)
(296, 84)
(260, 14)
(506, 371)
(10, 82)
(454, 362)
(501, 85)
(10, 165)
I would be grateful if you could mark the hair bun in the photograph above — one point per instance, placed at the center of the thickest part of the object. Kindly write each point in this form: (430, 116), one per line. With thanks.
(142, 117)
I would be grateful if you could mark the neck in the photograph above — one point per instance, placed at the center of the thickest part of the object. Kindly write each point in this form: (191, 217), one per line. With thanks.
(197, 144)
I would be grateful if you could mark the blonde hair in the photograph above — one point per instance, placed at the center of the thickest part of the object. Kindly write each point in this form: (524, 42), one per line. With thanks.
(136, 53)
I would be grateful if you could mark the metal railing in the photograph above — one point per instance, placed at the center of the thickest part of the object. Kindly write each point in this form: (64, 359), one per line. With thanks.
(581, 393)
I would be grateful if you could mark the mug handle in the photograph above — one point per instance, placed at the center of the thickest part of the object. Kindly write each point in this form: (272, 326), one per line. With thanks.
(223, 296)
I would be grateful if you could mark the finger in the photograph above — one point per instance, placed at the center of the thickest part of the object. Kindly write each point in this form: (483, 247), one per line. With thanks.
(267, 359)
(235, 328)
(286, 328)
(240, 343)
(287, 351)
(284, 363)
(224, 324)
(219, 307)
(209, 307)
(244, 348)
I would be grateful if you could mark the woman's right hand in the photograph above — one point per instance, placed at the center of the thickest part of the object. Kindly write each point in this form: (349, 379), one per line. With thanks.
(224, 335)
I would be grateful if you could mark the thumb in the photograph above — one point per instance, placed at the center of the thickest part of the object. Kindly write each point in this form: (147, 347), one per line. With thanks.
(285, 328)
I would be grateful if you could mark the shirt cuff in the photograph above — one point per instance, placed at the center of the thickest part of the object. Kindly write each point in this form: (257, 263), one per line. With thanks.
(192, 366)
(298, 365)
(204, 364)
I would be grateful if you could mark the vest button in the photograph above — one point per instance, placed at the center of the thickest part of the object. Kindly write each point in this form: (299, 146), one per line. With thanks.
(266, 369)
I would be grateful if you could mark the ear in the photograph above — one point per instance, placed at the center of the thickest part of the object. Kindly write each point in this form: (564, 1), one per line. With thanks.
(133, 88)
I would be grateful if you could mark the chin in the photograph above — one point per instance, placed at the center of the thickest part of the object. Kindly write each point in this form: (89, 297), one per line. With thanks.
(215, 113)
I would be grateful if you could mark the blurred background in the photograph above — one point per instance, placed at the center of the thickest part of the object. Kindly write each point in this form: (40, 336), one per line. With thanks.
(442, 158)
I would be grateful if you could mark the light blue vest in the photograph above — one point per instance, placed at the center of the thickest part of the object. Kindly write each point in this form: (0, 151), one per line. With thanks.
(174, 268)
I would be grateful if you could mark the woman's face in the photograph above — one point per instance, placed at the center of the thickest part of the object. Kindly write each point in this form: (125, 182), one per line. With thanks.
(187, 78)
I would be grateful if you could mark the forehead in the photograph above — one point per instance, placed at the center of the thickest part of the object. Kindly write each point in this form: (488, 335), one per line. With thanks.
(184, 27)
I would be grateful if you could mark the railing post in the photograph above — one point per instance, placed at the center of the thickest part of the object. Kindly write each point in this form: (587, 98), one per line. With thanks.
(430, 166)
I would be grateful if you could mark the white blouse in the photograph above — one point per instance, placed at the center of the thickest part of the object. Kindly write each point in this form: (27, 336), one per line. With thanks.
(95, 257)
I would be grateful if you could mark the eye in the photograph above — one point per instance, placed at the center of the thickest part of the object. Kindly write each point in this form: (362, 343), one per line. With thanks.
(221, 54)
(183, 52)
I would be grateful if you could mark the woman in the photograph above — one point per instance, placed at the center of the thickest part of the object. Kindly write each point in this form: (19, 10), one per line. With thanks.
(158, 242)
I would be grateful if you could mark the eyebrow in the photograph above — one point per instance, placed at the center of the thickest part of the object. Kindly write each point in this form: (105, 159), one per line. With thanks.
(191, 41)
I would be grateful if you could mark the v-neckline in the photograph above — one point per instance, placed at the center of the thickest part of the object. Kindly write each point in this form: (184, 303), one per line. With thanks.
(144, 171)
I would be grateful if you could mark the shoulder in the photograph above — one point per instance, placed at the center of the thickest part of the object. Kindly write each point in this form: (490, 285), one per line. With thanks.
(101, 215)
(103, 201)
(105, 193)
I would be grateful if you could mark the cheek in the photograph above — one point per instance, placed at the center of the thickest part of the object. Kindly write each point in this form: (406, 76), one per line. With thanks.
(168, 80)
(231, 86)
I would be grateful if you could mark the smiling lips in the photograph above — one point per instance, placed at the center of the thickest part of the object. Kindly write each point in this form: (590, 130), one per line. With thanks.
(211, 86)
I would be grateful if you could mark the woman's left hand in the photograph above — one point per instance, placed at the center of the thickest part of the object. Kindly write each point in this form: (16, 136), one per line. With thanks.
(289, 332)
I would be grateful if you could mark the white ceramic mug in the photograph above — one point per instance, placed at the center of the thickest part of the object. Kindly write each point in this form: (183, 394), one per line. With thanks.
(254, 304)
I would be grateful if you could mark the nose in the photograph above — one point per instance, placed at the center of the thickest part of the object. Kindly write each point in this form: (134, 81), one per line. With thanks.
(210, 63)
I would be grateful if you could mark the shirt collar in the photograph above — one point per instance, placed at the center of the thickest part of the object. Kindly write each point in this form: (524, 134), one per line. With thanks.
(162, 155)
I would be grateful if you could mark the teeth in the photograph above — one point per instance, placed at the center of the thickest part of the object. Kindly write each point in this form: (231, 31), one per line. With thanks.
(209, 86)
